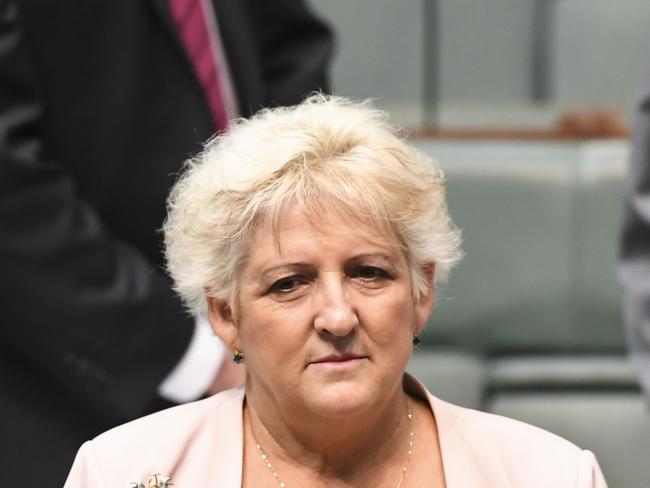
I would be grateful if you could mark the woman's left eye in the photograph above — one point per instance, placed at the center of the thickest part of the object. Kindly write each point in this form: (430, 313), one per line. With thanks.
(371, 273)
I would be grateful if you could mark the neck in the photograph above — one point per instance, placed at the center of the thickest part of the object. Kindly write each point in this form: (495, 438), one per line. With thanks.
(332, 447)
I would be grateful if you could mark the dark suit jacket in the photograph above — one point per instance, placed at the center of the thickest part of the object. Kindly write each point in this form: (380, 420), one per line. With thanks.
(98, 108)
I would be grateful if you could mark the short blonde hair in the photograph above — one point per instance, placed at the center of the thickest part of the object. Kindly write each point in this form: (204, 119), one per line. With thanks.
(326, 148)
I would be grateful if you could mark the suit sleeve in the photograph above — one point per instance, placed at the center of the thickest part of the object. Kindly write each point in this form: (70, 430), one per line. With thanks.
(295, 47)
(634, 268)
(81, 308)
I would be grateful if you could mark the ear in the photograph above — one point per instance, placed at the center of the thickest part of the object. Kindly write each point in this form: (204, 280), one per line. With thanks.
(223, 324)
(427, 301)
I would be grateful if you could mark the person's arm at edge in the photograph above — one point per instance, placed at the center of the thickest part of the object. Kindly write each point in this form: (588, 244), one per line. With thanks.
(634, 263)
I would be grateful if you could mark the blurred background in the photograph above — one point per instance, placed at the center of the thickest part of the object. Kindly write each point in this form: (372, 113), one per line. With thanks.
(526, 104)
(472, 63)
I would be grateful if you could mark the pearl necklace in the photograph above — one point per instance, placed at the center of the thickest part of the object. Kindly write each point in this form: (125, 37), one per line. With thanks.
(282, 484)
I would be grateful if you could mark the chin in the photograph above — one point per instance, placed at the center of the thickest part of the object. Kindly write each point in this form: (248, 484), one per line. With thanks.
(342, 399)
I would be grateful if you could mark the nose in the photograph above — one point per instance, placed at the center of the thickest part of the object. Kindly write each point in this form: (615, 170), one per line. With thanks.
(335, 314)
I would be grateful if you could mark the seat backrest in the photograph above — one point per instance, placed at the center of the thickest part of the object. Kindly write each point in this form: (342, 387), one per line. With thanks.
(540, 225)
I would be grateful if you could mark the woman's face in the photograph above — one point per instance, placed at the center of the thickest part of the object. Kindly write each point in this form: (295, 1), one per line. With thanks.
(325, 315)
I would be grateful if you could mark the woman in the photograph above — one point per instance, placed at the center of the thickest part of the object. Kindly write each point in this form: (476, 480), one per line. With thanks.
(310, 237)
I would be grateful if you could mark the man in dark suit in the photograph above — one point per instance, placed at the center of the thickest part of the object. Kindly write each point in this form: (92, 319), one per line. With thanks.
(99, 106)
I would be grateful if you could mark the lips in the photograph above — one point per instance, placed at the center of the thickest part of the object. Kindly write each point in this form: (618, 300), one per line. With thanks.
(338, 358)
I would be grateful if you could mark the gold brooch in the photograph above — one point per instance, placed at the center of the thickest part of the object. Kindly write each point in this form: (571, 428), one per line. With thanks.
(156, 480)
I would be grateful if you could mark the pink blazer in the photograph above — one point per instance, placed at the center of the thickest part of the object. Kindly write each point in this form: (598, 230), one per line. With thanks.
(201, 444)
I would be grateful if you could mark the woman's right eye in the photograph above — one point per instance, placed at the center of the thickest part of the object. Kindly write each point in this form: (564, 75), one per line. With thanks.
(286, 285)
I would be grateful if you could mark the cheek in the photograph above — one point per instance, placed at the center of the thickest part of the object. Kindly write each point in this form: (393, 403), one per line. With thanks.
(391, 319)
(271, 331)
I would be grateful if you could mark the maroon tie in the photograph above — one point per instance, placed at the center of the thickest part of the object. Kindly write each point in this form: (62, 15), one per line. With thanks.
(191, 22)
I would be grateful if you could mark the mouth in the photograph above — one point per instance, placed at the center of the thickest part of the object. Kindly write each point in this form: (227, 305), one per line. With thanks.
(339, 359)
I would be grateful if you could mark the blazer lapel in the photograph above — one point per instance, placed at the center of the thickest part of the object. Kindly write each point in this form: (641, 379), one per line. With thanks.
(161, 8)
(467, 458)
(162, 11)
(228, 457)
(467, 455)
(214, 454)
